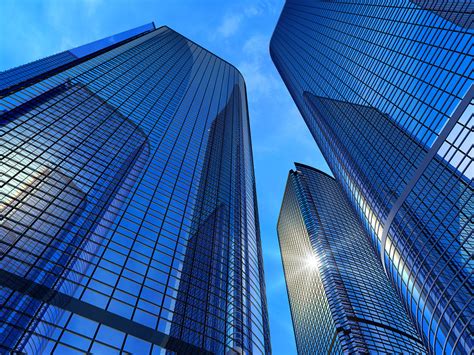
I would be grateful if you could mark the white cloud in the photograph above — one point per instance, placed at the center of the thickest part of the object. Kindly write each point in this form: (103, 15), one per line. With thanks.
(252, 10)
(91, 6)
(229, 25)
(256, 45)
(63, 17)
(232, 22)
(260, 81)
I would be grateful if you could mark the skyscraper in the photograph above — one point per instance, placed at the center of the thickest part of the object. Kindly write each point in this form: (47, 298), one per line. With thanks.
(386, 91)
(341, 301)
(128, 213)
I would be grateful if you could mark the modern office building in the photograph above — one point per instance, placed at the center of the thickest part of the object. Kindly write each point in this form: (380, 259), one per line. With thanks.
(128, 213)
(386, 91)
(341, 301)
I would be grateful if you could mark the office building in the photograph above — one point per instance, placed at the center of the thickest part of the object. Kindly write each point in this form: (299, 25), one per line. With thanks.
(128, 213)
(341, 301)
(387, 93)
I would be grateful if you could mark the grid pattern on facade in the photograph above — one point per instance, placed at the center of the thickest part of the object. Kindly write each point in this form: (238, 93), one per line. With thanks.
(366, 311)
(377, 85)
(136, 134)
(313, 324)
(20, 76)
(456, 11)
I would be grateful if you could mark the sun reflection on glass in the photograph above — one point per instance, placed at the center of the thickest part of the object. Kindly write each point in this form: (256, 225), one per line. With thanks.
(312, 262)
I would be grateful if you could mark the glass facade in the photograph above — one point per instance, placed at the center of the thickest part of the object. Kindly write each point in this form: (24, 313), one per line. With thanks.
(341, 300)
(387, 93)
(128, 213)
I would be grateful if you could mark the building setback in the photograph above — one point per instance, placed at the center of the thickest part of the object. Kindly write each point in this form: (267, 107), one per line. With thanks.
(128, 213)
(386, 91)
(341, 301)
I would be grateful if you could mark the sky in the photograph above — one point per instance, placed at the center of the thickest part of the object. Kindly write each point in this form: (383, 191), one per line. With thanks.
(239, 32)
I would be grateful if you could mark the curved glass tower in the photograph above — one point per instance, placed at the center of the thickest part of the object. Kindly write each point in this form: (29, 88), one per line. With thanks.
(341, 301)
(387, 93)
(128, 213)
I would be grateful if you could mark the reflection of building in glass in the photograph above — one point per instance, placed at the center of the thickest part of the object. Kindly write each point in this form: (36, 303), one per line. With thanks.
(386, 93)
(56, 215)
(212, 268)
(36, 230)
(457, 11)
(104, 154)
(341, 301)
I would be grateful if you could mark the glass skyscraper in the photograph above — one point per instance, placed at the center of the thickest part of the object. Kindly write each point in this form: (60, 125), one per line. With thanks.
(128, 213)
(341, 301)
(386, 91)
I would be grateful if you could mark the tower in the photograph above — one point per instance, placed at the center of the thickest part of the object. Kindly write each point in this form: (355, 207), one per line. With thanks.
(106, 153)
(386, 91)
(341, 301)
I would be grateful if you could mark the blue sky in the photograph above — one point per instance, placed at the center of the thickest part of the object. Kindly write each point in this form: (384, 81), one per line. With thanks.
(238, 32)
